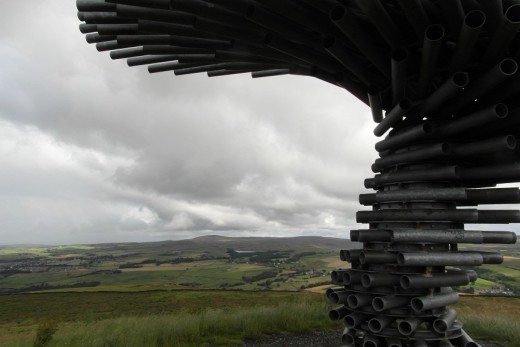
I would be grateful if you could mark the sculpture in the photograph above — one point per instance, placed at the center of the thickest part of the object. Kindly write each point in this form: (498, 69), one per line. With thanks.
(445, 72)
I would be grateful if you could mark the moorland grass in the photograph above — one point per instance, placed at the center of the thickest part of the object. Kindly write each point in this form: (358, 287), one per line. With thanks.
(212, 326)
(227, 318)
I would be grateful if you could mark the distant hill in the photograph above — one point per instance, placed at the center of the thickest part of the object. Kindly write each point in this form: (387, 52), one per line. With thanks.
(216, 243)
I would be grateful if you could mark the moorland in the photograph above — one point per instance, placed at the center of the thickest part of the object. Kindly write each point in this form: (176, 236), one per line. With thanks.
(210, 289)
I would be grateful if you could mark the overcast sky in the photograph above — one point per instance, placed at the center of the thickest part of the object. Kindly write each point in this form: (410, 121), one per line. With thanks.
(92, 150)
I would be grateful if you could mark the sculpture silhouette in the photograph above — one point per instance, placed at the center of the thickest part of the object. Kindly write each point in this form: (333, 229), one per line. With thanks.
(445, 72)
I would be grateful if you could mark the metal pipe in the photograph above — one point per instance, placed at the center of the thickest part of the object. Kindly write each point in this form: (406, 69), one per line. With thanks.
(348, 337)
(338, 313)
(478, 148)
(377, 257)
(466, 341)
(421, 131)
(453, 13)
(371, 341)
(270, 73)
(370, 280)
(434, 281)
(352, 277)
(503, 35)
(445, 92)
(350, 255)
(388, 302)
(469, 34)
(427, 153)
(94, 6)
(446, 173)
(430, 55)
(379, 323)
(331, 290)
(160, 15)
(409, 325)
(348, 60)
(383, 22)
(374, 100)
(355, 319)
(393, 342)
(398, 68)
(472, 121)
(486, 82)
(445, 321)
(359, 300)
(423, 303)
(416, 15)
(496, 173)
(95, 38)
(392, 117)
(448, 258)
(337, 276)
(339, 297)
(349, 25)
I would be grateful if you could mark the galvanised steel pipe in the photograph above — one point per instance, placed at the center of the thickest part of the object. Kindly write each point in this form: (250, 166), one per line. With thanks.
(381, 303)
(355, 301)
(420, 131)
(445, 321)
(423, 303)
(338, 313)
(408, 326)
(370, 280)
(471, 28)
(430, 55)
(379, 323)
(435, 281)
(355, 319)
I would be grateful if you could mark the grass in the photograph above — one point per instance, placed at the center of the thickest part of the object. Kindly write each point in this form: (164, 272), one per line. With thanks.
(200, 322)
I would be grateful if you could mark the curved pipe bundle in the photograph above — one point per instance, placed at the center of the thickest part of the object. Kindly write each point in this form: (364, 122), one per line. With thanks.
(441, 78)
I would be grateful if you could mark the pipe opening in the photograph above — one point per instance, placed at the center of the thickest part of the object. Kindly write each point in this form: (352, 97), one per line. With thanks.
(334, 298)
(375, 325)
(446, 148)
(347, 278)
(513, 14)
(440, 326)
(334, 275)
(417, 304)
(369, 343)
(427, 128)
(475, 19)
(347, 339)
(405, 328)
(366, 281)
(334, 315)
(400, 259)
(352, 301)
(434, 32)
(511, 142)
(362, 258)
(337, 13)
(508, 67)
(501, 110)
(405, 282)
(378, 304)
(460, 79)
(349, 321)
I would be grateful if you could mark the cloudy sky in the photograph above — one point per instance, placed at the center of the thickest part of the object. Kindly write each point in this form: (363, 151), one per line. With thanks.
(94, 151)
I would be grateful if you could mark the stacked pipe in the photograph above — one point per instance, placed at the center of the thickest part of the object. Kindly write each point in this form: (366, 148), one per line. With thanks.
(441, 79)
